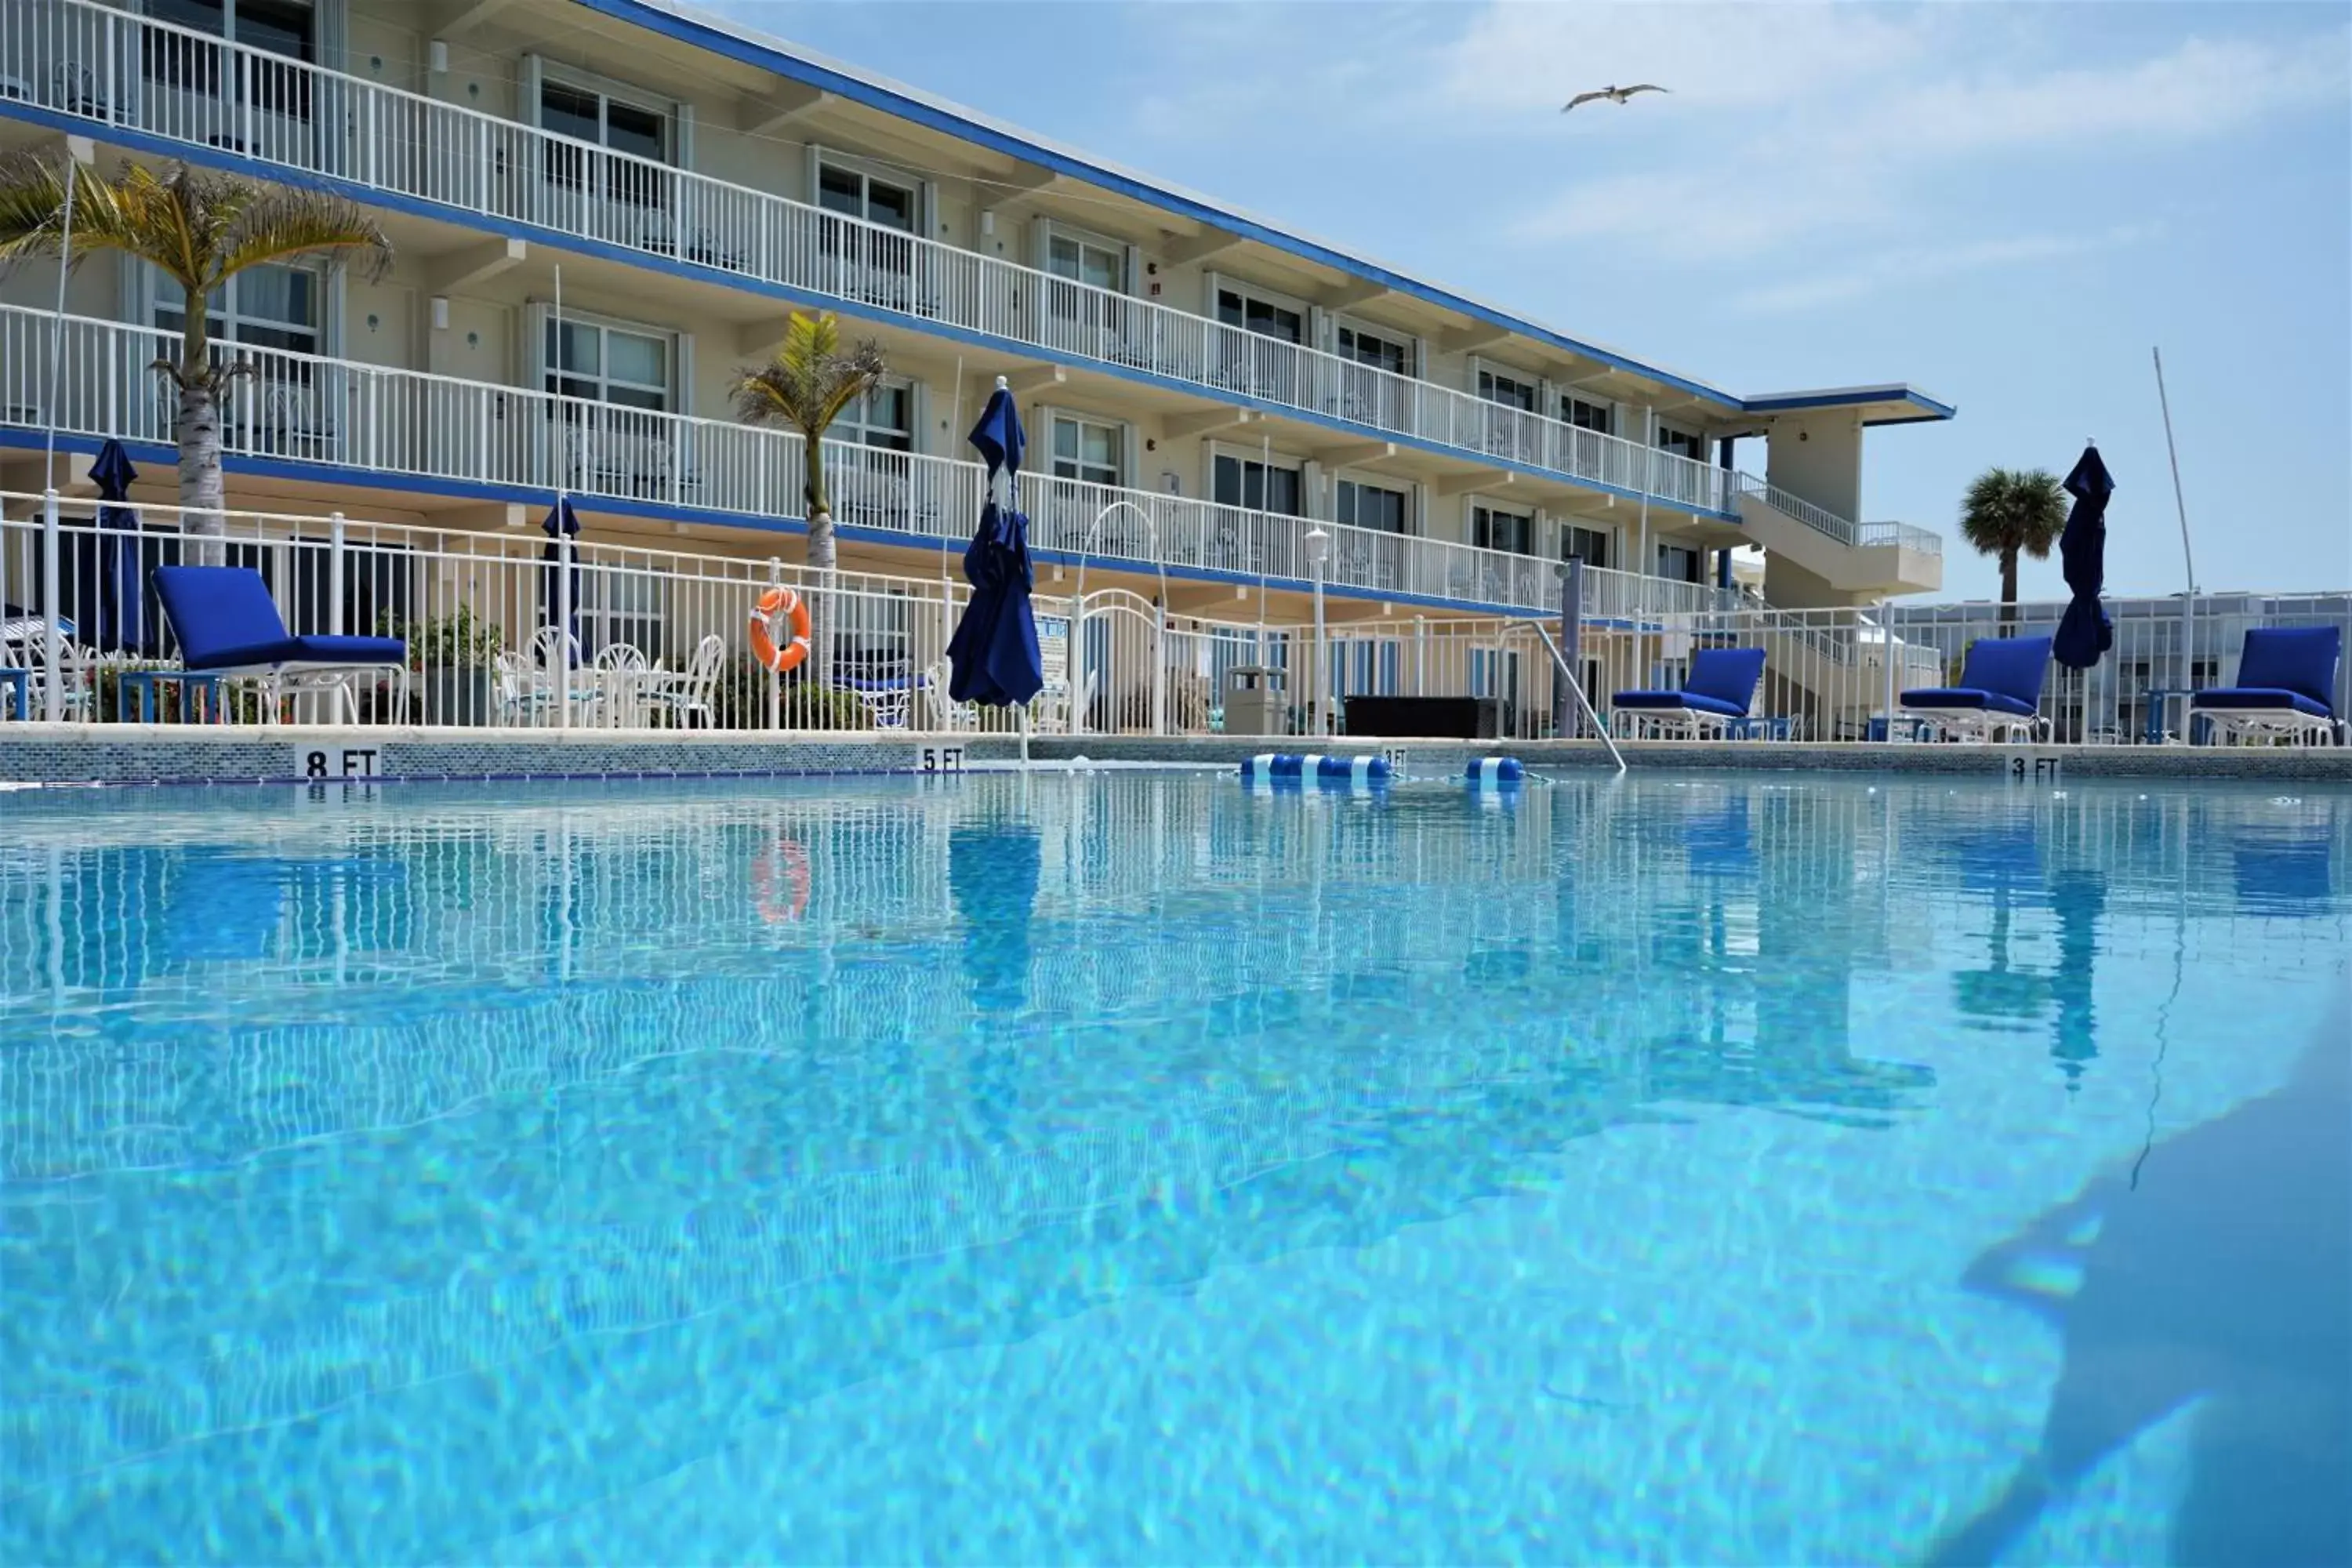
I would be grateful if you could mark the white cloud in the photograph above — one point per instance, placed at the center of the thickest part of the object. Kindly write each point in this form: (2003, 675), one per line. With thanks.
(1915, 264)
(2201, 88)
(1857, 157)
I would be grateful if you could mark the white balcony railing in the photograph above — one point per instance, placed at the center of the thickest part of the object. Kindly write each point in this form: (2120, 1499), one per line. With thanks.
(86, 60)
(374, 419)
(1820, 519)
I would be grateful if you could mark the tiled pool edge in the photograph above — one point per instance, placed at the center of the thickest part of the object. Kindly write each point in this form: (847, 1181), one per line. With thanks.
(182, 754)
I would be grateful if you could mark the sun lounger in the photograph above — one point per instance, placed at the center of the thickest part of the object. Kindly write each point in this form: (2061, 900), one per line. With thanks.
(2000, 690)
(1717, 692)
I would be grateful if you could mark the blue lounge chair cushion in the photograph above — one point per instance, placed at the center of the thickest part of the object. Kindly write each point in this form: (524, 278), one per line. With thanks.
(2260, 698)
(1722, 681)
(1962, 697)
(1725, 676)
(2283, 667)
(311, 650)
(2001, 675)
(1677, 700)
(225, 619)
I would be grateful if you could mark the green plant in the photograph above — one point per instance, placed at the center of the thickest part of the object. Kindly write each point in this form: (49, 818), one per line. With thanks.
(2010, 512)
(739, 700)
(199, 230)
(810, 383)
(461, 640)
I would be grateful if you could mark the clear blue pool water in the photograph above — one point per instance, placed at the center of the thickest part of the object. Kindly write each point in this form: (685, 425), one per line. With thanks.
(1134, 1168)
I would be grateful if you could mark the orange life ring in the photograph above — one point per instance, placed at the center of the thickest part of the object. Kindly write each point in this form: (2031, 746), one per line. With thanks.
(779, 604)
(780, 882)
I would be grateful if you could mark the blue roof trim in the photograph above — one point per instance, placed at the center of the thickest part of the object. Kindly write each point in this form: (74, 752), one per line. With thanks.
(372, 195)
(686, 30)
(661, 511)
(1847, 397)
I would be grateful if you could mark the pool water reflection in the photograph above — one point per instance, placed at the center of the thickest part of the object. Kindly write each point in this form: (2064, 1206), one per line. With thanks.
(1139, 1168)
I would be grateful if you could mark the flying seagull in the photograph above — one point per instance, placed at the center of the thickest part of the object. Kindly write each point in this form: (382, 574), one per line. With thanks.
(1613, 94)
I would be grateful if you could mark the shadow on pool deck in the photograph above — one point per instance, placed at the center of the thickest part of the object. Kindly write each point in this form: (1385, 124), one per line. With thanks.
(2222, 1278)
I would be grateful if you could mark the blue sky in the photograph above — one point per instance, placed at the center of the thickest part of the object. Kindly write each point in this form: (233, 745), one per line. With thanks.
(2006, 206)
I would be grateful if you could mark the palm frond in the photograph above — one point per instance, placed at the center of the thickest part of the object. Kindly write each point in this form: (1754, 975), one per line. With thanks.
(810, 383)
(2014, 508)
(254, 225)
(33, 208)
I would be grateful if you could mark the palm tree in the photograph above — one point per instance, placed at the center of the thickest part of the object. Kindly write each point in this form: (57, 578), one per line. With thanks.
(2009, 511)
(200, 230)
(809, 383)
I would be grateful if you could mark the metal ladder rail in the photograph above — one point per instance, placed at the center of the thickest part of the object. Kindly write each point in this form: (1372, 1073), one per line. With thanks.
(1576, 686)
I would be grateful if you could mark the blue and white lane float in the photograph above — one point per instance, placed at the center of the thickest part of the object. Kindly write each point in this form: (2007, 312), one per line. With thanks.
(1494, 772)
(1268, 766)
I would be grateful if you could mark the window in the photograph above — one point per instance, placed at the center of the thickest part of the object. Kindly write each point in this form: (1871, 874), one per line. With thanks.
(1373, 507)
(285, 28)
(1248, 483)
(1082, 303)
(1591, 543)
(1679, 564)
(1263, 317)
(1495, 672)
(270, 307)
(1087, 450)
(1585, 416)
(619, 365)
(618, 605)
(1682, 443)
(1503, 388)
(877, 200)
(1493, 530)
(609, 121)
(1376, 349)
(1084, 261)
(594, 116)
(288, 28)
(884, 419)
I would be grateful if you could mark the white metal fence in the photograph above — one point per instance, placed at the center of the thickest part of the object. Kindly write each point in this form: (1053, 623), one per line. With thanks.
(90, 61)
(660, 637)
(375, 419)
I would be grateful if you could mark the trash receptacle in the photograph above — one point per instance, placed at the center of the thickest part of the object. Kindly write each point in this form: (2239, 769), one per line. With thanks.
(1254, 702)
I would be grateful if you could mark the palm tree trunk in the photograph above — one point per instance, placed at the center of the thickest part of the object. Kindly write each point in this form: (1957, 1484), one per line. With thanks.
(2009, 591)
(198, 430)
(821, 561)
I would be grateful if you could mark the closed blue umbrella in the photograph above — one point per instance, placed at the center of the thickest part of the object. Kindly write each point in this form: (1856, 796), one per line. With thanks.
(2085, 635)
(560, 520)
(120, 621)
(994, 651)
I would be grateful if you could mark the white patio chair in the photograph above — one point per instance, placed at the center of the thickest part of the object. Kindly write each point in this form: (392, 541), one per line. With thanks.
(683, 695)
(941, 711)
(548, 645)
(620, 676)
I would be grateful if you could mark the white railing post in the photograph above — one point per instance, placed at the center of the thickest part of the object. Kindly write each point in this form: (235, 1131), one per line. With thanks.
(775, 682)
(1886, 657)
(53, 654)
(335, 573)
(563, 646)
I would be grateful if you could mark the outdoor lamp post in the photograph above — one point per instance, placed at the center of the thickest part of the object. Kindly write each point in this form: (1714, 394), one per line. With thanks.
(1318, 550)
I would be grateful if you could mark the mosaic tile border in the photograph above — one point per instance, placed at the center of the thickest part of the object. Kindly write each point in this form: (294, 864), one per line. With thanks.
(82, 754)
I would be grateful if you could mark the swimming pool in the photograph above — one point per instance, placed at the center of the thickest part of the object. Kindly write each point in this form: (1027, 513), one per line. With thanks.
(1141, 1168)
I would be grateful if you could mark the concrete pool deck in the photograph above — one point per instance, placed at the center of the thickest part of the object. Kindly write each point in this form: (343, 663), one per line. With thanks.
(82, 754)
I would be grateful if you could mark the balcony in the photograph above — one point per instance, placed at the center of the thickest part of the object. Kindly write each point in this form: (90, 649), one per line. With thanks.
(372, 420)
(1868, 559)
(79, 61)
